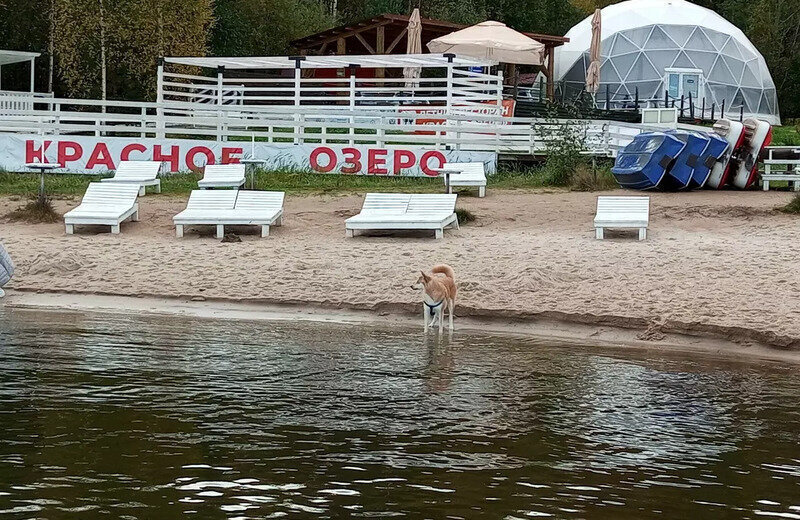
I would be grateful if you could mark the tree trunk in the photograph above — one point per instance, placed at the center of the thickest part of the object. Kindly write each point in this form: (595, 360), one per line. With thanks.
(51, 44)
(102, 53)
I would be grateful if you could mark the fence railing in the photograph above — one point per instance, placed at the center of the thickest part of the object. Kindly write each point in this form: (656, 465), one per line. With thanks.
(15, 100)
(465, 128)
(463, 88)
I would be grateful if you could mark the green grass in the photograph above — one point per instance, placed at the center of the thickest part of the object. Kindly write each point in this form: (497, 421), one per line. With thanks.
(792, 207)
(786, 135)
(293, 183)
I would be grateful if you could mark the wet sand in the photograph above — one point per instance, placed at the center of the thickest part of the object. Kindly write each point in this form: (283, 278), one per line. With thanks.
(715, 265)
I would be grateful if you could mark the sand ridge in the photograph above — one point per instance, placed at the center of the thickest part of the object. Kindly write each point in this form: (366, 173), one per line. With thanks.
(719, 263)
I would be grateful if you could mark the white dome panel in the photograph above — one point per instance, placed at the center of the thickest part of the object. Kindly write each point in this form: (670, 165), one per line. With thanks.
(642, 39)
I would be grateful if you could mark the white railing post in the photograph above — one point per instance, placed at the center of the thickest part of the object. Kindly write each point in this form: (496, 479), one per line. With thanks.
(220, 100)
(144, 122)
(352, 93)
(57, 119)
(298, 75)
(499, 84)
(160, 99)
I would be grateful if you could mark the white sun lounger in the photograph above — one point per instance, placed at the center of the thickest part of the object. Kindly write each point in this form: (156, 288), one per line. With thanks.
(105, 204)
(222, 176)
(231, 207)
(622, 212)
(142, 173)
(405, 211)
(472, 175)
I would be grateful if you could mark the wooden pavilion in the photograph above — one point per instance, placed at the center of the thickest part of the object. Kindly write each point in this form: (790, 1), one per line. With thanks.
(386, 34)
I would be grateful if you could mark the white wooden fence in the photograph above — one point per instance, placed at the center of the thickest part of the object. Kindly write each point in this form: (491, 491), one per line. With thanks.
(466, 127)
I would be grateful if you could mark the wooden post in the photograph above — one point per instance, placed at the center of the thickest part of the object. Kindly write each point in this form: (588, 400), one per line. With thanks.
(703, 110)
(341, 46)
(33, 68)
(551, 85)
(722, 110)
(713, 108)
(379, 49)
(691, 106)
(682, 100)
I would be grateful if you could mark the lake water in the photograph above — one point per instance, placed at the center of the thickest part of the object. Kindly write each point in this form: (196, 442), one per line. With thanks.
(153, 417)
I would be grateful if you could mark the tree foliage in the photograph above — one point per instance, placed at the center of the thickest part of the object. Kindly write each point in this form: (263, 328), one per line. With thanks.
(138, 31)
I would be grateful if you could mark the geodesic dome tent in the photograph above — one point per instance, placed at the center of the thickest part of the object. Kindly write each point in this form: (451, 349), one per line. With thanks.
(670, 48)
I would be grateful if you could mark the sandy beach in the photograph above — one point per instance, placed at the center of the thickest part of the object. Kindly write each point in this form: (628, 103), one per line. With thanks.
(718, 265)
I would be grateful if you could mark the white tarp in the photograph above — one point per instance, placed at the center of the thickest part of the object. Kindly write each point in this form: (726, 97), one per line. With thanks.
(89, 154)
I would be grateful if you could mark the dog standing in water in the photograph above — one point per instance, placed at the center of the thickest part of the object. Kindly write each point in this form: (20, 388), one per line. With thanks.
(438, 295)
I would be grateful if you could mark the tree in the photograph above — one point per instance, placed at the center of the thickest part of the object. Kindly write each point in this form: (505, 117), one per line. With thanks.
(265, 27)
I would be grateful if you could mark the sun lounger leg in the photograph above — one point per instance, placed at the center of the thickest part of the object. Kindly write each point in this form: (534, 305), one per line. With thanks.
(796, 185)
(264, 231)
(70, 229)
(482, 191)
(642, 233)
(220, 230)
(279, 221)
(142, 190)
(439, 233)
(598, 233)
(135, 216)
(158, 187)
(765, 182)
(349, 233)
(179, 230)
(115, 230)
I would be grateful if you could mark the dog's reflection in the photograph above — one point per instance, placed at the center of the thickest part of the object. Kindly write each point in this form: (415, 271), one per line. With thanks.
(439, 369)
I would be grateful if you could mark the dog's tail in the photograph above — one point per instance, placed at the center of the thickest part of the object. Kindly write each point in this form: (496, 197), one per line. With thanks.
(445, 270)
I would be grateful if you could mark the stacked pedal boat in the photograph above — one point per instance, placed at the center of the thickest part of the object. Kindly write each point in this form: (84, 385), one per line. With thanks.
(685, 160)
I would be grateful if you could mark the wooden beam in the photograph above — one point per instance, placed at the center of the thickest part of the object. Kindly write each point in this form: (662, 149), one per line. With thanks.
(341, 46)
(348, 33)
(551, 86)
(396, 41)
(322, 49)
(364, 43)
(380, 36)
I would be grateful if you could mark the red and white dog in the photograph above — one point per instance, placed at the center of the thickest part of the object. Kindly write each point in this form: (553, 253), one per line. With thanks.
(438, 295)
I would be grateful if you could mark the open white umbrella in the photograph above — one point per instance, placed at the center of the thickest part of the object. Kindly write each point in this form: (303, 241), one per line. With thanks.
(413, 46)
(593, 72)
(491, 40)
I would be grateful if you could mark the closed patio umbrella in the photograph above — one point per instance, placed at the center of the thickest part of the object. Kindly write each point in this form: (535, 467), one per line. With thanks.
(413, 46)
(491, 40)
(593, 72)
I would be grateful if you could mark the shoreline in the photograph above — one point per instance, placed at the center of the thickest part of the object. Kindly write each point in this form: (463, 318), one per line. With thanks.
(606, 332)
(717, 267)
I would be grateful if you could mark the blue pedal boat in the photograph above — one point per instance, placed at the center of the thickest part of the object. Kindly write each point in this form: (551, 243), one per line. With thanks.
(643, 164)
(688, 171)
(714, 152)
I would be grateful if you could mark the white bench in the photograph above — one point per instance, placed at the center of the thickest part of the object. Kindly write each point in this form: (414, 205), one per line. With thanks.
(471, 175)
(232, 208)
(142, 173)
(401, 211)
(105, 204)
(622, 213)
(222, 176)
(791, 173)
